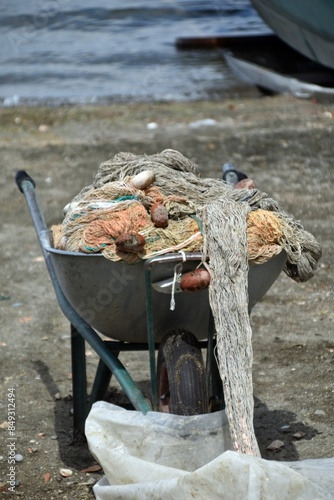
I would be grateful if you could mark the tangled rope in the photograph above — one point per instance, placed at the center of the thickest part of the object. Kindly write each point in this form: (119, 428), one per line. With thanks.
(94, 223)
(180, 188)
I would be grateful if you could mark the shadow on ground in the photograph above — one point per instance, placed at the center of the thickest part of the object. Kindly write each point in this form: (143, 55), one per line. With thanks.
(270, 426)
(281, 426)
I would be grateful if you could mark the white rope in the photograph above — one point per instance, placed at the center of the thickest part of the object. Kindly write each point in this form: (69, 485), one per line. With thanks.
(176, 278)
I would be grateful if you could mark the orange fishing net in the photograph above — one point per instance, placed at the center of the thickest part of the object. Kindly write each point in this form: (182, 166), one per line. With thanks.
(264, 236)
(101, 231)
(99, 215)
(98, 231)
(93, 224)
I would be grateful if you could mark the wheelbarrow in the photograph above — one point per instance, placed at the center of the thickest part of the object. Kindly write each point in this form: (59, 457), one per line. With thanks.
(130, 305)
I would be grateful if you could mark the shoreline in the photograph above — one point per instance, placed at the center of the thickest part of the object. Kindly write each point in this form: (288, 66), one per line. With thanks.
(240, 90)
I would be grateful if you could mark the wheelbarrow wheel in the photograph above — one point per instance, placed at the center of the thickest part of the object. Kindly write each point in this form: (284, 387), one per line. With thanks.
(181, 375)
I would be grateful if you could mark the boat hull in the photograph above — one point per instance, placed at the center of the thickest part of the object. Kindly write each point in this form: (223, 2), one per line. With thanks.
(307, 27)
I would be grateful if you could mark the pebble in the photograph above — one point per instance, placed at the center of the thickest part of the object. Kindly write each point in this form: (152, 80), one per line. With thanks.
(319, 412)
(206, 122)
(152, 126)
(54, 437)
(276, 445)
(89, 482)
(18, 457)
(43, 128)
(66, 472)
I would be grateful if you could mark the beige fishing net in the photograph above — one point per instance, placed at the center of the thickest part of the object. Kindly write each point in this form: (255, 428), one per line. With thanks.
(233, 228)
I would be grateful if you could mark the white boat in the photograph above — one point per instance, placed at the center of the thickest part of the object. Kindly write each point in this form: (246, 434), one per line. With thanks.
(270, 81)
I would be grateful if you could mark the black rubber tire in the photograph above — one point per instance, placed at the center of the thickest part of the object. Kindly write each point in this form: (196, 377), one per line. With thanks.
(181, 377)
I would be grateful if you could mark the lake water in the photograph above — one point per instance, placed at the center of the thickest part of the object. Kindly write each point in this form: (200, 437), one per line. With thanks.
(95, 51)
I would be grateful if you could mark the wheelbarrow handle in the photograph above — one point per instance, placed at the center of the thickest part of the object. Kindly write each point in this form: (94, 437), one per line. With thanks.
(27, 186)
(22, 176)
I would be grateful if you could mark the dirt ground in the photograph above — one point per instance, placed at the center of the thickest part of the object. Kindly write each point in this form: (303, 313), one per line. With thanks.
(286, 146)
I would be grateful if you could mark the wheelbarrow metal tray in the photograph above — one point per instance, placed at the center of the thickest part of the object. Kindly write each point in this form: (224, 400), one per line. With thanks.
(111, 296)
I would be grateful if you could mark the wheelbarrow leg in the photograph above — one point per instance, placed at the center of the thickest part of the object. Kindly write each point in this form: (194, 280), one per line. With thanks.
(101, 383)
(79, 383)
(101, 380)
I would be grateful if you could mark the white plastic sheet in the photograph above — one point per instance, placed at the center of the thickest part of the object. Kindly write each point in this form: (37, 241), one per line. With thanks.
(158, 456)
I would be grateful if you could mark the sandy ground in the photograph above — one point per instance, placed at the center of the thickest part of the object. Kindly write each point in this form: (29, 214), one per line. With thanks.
(286, 145)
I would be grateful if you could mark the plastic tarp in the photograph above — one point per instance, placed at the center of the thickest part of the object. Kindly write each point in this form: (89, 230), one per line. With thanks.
(159, 456)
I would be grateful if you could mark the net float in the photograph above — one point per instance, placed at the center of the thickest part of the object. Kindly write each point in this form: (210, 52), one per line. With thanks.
(196, 280)
(143, 179)
(159, 215)
(130, 242)
(245, 184)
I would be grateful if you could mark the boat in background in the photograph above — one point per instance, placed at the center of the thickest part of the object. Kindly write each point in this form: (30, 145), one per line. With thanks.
(264, 60)
(275, 67)
(307, 26)
(270, 82)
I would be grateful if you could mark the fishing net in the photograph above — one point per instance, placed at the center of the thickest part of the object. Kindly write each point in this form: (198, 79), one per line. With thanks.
(94, 222)
(233, 228)
(183, 191)
(228, 295)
